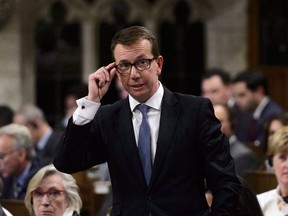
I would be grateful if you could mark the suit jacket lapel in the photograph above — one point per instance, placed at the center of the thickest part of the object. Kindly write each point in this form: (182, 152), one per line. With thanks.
(168, 122)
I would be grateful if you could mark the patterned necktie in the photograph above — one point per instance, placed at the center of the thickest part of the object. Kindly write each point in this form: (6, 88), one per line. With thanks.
(144, 143)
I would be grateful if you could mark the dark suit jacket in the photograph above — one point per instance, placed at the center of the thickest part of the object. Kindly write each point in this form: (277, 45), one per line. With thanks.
(190, 148)
(46, 155)
(244, 119)
(8, 188)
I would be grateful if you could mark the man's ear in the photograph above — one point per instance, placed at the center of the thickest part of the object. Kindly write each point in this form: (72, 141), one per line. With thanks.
(160, 62)
(22, 154)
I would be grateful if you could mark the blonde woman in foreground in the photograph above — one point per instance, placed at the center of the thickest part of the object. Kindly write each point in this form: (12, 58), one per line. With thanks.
(51, 192)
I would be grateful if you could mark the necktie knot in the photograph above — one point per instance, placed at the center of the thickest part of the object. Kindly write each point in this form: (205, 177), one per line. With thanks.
(143, 108)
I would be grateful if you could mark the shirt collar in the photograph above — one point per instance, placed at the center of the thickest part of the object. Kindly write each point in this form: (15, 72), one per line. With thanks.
(42, 142)
(154, 102)
(260, 108)
(232, 140)
(68, 212)
(22, 178)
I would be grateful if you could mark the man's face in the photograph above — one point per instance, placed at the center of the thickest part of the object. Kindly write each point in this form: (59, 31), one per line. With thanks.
(214, 89)
(141, 85)
(245, 99)
(9, 160)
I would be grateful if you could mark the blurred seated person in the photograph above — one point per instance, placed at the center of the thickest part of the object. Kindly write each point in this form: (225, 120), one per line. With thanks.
(16, 160)
(44, 137)
(244, 157)
(216, 85)
(3, 211)
(6, 115)
(250, 90)
(51, 192)
(275, 202)
(270, 128)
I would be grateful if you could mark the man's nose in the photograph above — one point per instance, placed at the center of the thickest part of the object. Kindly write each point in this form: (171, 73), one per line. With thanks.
(134, 72)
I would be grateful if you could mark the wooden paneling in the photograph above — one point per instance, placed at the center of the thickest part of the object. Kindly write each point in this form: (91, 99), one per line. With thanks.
(91, 201)
(277, 75)
(15, 207)
(261, 181)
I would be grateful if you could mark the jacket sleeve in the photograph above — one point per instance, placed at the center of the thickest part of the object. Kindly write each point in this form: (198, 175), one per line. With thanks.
(219, 167)
(80, 148)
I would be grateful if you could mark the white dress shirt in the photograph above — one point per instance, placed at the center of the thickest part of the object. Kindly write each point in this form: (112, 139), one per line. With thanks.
(86, 111)
(6, 212)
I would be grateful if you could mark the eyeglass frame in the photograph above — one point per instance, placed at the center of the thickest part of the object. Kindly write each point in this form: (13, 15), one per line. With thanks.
(43, 193)
(134, 64)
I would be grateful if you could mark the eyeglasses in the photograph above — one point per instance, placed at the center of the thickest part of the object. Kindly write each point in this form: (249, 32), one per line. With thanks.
(52, 194)
(3, 155)
(142, 64)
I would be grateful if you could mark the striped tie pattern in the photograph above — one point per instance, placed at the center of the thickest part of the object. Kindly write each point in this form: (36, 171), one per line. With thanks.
(144, 143)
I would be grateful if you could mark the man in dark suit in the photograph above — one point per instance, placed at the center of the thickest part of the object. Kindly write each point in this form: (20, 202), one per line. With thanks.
(16, 164)
(44, 137)
(250, 89)
(186, 143)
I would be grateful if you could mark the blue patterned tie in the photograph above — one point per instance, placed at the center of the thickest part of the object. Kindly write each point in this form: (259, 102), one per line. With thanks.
(144, 143)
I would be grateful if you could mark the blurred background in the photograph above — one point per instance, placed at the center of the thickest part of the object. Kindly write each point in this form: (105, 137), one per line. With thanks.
(49, 47)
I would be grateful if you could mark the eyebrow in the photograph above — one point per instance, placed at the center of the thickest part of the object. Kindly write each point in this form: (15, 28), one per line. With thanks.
(136, 59)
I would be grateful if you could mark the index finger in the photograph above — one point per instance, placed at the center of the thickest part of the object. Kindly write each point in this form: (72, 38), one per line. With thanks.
(110, 66)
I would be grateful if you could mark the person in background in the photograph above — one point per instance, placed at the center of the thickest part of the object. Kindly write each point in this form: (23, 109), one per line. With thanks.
(51, 192)
(216, 85)
(270, 128)
(275, 202)
(16, 160)
(44, 137)
(6, 115)
(250, 90)
(3, 211)
(182, 137)
(244, 157)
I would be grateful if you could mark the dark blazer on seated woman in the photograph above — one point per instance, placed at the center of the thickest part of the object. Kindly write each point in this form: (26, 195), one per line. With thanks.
(190, 148)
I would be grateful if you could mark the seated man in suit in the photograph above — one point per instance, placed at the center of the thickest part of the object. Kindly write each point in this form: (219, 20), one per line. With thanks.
(250, 90)
(244, 158)
(44, 137)
(16, 155)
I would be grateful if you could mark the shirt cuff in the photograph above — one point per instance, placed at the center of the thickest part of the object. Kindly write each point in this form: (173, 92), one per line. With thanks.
(85, 111)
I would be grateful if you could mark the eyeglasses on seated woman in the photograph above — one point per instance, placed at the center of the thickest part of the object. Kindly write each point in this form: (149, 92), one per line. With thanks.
(51, 192)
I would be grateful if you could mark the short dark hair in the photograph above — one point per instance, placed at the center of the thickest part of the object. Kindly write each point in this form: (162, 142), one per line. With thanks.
(253, 80)
(6, 115)
(129, 35)
(222, 74)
